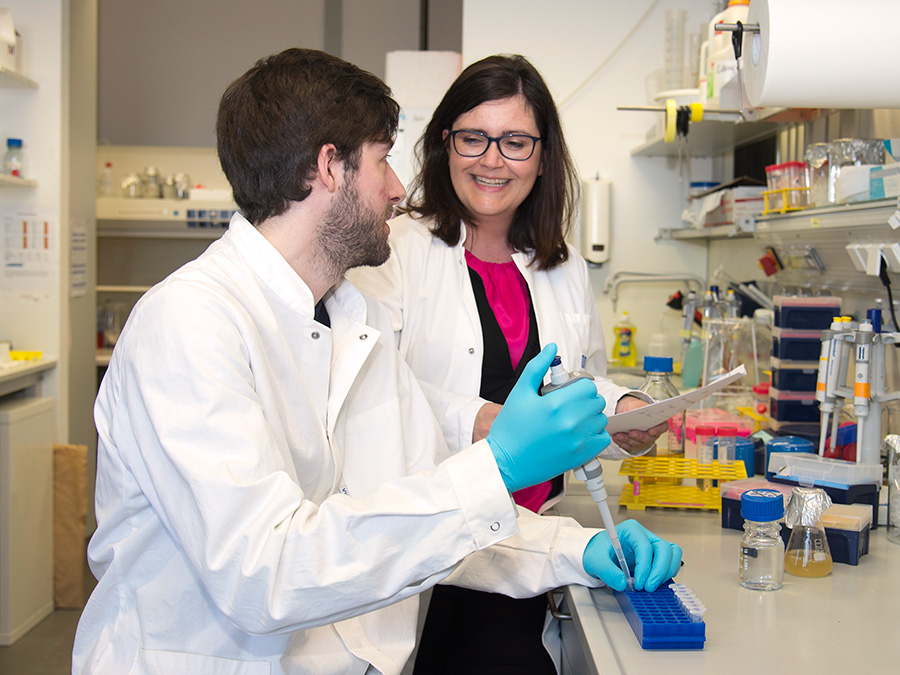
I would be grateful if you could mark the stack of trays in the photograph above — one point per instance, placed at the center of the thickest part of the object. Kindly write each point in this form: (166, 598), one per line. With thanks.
(796, 345)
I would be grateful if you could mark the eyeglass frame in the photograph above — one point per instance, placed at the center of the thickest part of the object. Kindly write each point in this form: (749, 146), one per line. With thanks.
(493, 139)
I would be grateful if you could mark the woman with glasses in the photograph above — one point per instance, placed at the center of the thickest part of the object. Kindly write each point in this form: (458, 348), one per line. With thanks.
(480, 277)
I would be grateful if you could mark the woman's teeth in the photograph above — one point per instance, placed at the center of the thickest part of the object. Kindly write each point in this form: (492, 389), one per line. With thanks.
(492, 182)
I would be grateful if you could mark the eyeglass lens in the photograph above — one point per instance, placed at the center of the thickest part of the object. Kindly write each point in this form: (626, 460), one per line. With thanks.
(475, 144)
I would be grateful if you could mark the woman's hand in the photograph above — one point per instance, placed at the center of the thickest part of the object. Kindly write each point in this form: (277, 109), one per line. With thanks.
(484, 419)
(636, 440)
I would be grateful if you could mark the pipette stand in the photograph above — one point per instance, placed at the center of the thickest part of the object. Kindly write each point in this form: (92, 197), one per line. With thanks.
(868, 393)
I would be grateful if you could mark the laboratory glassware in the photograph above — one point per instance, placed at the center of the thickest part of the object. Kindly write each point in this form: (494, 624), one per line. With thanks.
(893, 474)
(658, 385)
(706, 434)
(762, 549)
(807, 552)
(14, 159)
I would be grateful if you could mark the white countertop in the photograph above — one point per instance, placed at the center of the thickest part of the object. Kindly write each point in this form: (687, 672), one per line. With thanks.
(18, 375)
(842, 623)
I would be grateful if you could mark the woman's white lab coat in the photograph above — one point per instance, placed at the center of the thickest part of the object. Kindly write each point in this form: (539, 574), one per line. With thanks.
(267, 497)
(426, 287)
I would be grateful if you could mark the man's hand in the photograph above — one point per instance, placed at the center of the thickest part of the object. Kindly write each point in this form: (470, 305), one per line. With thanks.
(653, 560)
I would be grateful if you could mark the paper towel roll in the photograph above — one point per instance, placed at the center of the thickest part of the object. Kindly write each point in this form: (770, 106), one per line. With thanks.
(823, 54)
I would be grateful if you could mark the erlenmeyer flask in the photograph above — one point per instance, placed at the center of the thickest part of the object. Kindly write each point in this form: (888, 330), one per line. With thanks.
(807, 553)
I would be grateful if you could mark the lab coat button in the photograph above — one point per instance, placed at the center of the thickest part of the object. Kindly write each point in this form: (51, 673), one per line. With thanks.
(364, 336)
(495, 526)
(315, 335)
(471, 350)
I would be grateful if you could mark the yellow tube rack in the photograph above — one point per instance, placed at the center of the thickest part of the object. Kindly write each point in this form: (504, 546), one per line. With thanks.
(676, 496)
(776, 201)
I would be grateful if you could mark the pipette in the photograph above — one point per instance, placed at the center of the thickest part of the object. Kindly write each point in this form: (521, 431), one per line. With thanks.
(592, 472)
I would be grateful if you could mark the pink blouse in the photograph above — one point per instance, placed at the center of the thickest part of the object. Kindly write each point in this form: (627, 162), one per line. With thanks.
(507, 294)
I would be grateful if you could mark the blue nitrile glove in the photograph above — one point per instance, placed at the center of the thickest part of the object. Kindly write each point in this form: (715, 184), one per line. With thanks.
(535, 438)
(653, 560)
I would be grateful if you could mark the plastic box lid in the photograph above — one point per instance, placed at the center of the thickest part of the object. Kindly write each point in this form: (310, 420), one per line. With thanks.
(815, 470)
(817, 302)
(796, 333)
(853, 517)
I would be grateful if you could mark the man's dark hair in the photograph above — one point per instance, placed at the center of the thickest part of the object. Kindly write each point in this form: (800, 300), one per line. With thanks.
(273, 120)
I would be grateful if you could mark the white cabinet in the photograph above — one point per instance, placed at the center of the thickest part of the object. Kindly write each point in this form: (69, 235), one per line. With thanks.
(26, 514)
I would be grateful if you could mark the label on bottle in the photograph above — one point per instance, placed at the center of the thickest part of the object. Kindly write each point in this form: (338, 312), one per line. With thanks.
(749, 552)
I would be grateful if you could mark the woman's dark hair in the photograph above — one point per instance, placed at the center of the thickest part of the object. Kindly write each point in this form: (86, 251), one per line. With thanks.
(273, 120)
(542, 220)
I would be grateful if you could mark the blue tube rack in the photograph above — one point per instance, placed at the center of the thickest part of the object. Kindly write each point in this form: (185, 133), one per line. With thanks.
(660, 621)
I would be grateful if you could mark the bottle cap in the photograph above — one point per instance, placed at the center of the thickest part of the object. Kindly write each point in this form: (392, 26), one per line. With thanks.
(726, 431)
(706, 430)
(657, 364)
(762, 506)
(13, 142)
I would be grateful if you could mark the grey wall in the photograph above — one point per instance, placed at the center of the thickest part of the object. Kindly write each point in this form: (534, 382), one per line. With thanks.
(164, 64)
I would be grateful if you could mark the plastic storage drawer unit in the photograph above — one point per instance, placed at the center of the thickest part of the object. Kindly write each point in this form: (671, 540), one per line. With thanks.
(796, 345)
(806, 313)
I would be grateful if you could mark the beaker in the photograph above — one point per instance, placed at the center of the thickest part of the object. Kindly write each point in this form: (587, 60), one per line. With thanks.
(113, 316)
(892, 441)
(807, 553)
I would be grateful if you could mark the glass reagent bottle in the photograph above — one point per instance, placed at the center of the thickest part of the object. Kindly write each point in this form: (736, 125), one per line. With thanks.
(762, 549)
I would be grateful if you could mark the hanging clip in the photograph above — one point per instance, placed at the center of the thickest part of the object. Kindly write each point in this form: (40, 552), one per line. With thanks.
(737, 41)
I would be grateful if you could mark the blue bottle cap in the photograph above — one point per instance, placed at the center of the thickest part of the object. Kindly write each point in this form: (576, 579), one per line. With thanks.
(762, 506)
(657, 364)
(13, 142)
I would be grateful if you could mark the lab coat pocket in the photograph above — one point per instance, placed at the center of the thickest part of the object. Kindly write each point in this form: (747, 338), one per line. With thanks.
(156, 662)
(574, 342)
(373, 447)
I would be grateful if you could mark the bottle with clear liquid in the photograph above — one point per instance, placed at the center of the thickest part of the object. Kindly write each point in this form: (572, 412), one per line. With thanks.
(14, 159)
(762, 559)
(808, 554)
(658, 384)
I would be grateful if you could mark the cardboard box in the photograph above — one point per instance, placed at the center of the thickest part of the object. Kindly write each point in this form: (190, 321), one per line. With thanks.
(884, 182)
(9, 42)
(70, 504)
(738, 206)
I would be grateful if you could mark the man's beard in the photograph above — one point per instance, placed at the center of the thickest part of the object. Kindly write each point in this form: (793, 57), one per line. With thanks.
(352, 235)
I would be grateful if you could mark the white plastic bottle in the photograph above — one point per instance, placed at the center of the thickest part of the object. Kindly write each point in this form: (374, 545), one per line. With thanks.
(721, 66)
(14, 159)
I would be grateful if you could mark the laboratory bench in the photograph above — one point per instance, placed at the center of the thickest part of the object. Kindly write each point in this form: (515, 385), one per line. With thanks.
(842, 623)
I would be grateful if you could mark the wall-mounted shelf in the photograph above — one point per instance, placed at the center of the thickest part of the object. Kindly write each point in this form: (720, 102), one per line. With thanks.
(709, 137)
(830, 217)
(704, 234)
(12, 80)
(13, 182)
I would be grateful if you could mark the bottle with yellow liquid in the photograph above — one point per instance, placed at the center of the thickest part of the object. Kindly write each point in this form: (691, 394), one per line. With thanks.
(807, 553)
(624, 350)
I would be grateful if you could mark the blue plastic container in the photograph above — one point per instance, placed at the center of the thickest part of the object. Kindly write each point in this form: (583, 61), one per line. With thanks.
(659, 621)
(787, 444)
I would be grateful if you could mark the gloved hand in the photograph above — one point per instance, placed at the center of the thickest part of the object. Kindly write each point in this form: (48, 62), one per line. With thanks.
(652, 560)
(535, 438)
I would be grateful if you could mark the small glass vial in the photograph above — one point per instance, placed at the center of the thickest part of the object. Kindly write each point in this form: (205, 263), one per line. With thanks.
(705, 435)
(14, 159)
(762, 549)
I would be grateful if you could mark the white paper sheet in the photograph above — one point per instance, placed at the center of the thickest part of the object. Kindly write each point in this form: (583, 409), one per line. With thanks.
(656, 413)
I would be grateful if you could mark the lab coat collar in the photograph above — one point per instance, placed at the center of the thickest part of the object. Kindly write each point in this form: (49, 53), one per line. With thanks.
(271, 267)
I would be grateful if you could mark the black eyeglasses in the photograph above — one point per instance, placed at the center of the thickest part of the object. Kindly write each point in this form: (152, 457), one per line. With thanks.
(517, 147)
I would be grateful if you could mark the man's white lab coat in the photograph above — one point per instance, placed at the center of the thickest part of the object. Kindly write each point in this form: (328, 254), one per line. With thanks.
(267, 498)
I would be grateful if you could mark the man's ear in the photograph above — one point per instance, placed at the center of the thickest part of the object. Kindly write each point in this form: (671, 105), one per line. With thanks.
(327, 166)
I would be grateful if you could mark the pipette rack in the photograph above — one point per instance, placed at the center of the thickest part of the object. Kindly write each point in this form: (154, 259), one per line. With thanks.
(675, 496)
(661, 621)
